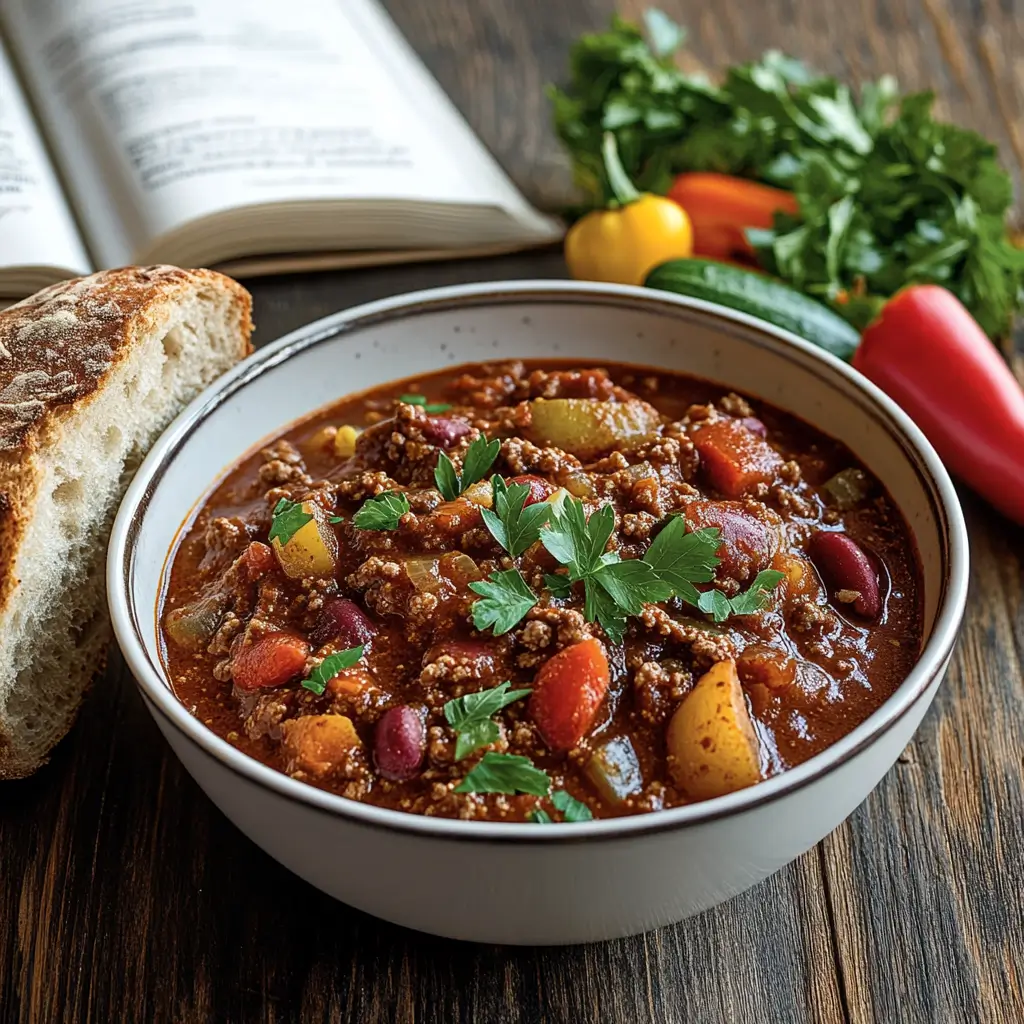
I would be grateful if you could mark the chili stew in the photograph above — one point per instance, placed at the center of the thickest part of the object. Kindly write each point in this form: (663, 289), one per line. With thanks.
(538, 592)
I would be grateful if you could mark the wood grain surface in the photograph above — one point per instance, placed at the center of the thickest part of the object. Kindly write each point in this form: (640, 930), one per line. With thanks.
(126, 896)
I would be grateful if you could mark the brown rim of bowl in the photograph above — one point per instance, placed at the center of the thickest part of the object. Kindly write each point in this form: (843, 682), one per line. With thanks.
(926, 464)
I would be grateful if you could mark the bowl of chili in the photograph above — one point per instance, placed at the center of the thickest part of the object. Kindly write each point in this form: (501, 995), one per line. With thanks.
(594, 643)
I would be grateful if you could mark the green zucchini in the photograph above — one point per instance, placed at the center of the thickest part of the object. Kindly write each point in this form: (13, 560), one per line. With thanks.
(760, 296)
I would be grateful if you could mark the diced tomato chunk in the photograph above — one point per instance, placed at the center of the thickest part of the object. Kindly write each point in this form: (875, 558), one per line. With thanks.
(567, 693)
(735, 460)
(272, 660)
(748, 544)
(259, 560)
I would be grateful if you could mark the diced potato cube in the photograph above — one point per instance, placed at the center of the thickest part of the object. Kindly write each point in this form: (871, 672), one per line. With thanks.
(345, 442)
(711, 742)
(586, 427)
(316, 743)
(481, 493)
(312, 550)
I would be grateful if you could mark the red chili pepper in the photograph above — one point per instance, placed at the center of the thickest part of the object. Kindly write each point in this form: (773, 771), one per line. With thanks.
(928, 354)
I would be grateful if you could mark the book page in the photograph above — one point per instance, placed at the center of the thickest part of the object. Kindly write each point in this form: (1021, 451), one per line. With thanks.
(36, 226)
(167, 112)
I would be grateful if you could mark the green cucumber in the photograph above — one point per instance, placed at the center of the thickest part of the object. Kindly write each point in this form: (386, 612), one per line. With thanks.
(760, 296)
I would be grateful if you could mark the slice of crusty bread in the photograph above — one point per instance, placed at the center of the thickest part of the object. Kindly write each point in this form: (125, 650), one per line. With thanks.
(91, 371)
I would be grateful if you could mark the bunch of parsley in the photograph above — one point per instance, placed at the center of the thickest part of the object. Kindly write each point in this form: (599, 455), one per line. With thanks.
(887, 194)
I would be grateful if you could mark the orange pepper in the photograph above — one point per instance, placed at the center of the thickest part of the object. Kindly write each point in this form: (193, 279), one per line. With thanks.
(720, 206)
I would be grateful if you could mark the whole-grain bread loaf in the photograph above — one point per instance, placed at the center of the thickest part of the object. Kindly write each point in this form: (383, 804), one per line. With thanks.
(91, 371)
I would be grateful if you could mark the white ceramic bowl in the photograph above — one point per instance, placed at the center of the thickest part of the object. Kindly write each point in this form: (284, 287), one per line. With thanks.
(519, 883)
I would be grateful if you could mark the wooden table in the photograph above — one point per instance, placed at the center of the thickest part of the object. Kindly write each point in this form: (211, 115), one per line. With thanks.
(125, 896)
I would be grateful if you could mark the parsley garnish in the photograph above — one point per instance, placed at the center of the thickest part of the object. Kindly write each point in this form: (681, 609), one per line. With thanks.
(505, 599)
(289, 518)
(336, 519)
(682, 558)
(613, 588)
(571, 808)
(560, 586)
(328, 668)
(437, 407)
(381, 512)
(505, 773)
(751, 600)
(479, 458)
(470, 717)
(413, 399)
(512, 525)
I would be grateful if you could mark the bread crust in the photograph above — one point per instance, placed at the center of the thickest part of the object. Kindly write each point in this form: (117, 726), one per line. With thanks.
(57, 350)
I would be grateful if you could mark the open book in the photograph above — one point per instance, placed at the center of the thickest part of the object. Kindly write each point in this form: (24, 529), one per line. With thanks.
(257, 135)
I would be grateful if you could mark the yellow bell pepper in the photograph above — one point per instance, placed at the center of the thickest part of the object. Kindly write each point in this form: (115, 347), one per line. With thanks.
(624, 243)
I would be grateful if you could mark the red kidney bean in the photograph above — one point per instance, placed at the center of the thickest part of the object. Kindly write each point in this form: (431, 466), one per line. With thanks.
(755, 426)
(444, 430)
(342, 620)
(844, 566)
(398, 743)
(540, 490)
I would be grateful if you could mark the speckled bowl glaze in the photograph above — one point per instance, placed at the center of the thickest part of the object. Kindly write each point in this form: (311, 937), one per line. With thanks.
(512, 883)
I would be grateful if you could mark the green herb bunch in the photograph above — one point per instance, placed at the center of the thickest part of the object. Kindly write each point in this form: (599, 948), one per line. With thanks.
(888, 195)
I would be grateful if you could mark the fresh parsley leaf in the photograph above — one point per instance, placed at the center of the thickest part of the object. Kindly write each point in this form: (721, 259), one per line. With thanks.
(447, 480)
(715, 604)
(681, 558)
(434, 407)
(336, 519)
(382, 512)
(599, 606)
(289, 517)
(478, 460)
(328, 668)
(512, 523)
(572, 809)
(632, 584)
(755, 597)
(560, 586)
(409, 399)
(750, 601)
(575, 541)
(539, 817)
(470, 716)
(505, 773)
(505, 599)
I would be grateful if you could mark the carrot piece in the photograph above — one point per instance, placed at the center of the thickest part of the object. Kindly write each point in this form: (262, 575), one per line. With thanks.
(734, 459)
(567, 693)
(720, 206)
(273, 660)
